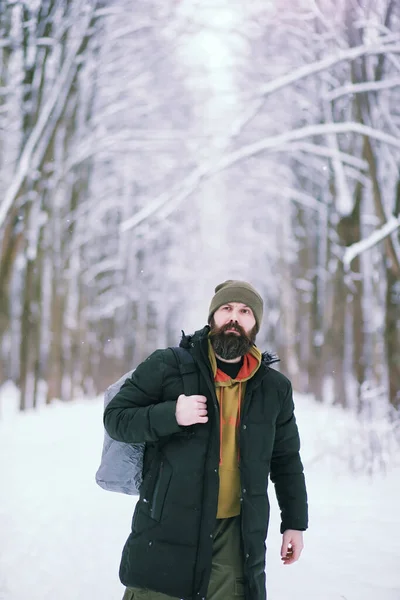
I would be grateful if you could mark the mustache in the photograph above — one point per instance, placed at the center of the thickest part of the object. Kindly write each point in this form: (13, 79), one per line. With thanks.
(231, 325)
(234, 326)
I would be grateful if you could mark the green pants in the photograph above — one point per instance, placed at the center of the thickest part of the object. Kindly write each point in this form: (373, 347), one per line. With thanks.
(226, 582)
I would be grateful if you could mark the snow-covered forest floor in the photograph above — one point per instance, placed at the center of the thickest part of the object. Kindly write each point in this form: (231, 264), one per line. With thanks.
(61, 535)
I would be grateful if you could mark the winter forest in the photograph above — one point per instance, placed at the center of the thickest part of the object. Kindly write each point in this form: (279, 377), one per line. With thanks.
(147, 154)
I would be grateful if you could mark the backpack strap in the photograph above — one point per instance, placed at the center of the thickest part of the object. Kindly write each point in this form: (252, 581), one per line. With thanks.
(188, 370)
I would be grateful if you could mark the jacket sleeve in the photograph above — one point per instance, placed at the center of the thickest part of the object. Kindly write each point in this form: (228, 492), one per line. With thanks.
(287, 469)
(137, 413)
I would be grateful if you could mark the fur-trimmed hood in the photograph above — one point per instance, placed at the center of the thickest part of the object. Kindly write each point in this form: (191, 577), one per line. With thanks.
(188, 341)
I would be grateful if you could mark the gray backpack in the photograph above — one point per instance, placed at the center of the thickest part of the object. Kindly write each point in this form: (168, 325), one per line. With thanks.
(121, 465)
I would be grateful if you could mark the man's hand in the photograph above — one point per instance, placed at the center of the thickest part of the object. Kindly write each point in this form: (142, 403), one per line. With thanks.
(191, 410)
(292, 545)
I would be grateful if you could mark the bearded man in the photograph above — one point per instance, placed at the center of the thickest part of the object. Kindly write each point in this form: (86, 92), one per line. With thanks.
(201, 521)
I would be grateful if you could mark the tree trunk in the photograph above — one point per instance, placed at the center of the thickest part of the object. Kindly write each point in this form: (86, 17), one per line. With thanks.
(288, 325)
(140, 329)
(392, 337)
(26, 398)
(334, 346)
(303, 268)
(357, 310)
(316, 369)
(56, 358)
(11, 243)
(392, 322)
(10, 235)
(37, 324)
(31, 308)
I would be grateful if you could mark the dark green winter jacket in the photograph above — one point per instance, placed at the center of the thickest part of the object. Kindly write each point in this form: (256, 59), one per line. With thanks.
(170, 547)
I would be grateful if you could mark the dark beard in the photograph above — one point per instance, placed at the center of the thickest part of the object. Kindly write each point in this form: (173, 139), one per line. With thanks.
(229, 345)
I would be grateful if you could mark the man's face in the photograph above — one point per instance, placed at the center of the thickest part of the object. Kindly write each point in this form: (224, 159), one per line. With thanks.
(233, 330)
(235, 312)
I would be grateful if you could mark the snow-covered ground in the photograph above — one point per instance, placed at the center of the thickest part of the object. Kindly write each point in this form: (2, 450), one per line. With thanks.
(61, 536)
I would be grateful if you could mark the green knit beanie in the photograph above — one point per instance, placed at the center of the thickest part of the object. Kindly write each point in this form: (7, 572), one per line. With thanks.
(237, 291)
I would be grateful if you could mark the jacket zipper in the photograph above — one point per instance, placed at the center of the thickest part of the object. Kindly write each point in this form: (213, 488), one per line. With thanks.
(241, 482)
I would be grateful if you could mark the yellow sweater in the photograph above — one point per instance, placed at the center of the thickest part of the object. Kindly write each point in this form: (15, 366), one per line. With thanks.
(230, 393)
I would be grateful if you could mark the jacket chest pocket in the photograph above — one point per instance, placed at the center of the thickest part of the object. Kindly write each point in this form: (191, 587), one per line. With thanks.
(161, 485)
(259, 441)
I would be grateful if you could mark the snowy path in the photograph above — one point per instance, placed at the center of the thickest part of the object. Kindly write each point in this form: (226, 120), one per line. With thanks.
(61, 536)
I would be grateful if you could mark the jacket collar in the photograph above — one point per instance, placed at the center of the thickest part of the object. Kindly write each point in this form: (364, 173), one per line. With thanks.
(197, 343)
(201, 336)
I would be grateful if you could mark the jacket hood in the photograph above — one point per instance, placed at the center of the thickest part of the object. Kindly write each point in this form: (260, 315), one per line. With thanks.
(189, 341)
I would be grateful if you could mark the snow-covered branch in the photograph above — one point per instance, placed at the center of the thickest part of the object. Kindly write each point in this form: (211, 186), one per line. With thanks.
(272, 143)
(129, 30)
(377, 236)
(104, 266)
(314, 149)
(305, 71)
(326, 63)
(368, 86)
(304, 132)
